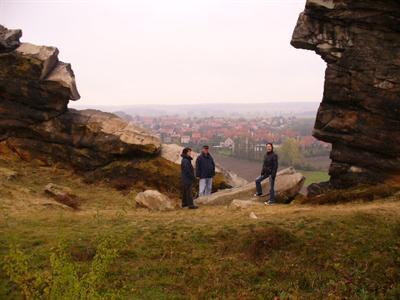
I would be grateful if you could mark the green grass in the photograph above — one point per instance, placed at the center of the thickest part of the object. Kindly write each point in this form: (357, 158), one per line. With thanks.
(314, 176)
(292, 251)
(215, 253)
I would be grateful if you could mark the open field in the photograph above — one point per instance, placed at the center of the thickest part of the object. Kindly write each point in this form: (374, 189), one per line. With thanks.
(349, 251)
(314, 176)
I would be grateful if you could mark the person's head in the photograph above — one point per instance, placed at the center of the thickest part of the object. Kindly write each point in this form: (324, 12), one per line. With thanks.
(187, 151)
(270, 148)
(205, 149)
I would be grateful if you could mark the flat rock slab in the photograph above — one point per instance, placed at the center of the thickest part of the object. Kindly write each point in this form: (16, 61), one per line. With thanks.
(288, 184)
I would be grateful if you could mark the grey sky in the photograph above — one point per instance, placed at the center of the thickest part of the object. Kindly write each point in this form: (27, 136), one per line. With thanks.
(174, 51)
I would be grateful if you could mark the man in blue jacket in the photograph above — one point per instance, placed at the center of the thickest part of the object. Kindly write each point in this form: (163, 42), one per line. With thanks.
(188, 179)
(205, 170)
(269, 169)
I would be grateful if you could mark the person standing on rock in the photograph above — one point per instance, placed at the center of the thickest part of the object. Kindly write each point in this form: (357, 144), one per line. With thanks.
(269, 169)
(188, 179)
(205, 170)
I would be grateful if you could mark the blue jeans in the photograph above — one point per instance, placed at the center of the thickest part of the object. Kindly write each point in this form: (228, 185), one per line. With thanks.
(271, 187)
(205, 187)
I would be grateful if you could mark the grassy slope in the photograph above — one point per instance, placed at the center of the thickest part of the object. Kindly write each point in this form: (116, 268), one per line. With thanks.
(314, 176)
(295, 251)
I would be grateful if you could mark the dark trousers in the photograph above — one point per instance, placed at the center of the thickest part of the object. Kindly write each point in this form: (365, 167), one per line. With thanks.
(187, 194)
(271, 186)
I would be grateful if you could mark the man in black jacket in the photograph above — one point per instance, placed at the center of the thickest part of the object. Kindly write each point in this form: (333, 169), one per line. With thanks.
(188, 179)
(205, 170)
(269, 169)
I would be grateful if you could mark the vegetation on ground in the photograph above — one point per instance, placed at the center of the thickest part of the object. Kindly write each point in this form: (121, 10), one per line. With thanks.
(314, 176)
(290, 251)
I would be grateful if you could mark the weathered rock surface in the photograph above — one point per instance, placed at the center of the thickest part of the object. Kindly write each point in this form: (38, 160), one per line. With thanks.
(9, 39)
(288, 184)
(360, 110)
(63, 195)
(35, 123)
(172, 152)
(154, 200)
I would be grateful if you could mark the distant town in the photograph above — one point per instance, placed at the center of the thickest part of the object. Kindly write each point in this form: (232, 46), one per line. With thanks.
(239, 137)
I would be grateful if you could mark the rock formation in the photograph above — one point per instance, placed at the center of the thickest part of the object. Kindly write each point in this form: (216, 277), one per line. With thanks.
(287, 185)
(360, 110)
(35, 123)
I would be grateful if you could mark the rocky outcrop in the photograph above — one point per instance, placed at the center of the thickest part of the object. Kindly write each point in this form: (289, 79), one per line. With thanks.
(360, 110)
(36, 124)
(287, 185)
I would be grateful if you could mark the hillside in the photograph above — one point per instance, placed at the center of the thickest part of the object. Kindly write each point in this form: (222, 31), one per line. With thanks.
(290, 251)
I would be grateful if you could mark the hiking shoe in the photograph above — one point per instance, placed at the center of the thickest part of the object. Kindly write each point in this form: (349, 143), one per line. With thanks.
(270, 203)
(193, 207)
(257, 195)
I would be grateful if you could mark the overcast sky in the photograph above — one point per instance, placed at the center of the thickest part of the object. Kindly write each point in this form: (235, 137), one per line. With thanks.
(174, 51)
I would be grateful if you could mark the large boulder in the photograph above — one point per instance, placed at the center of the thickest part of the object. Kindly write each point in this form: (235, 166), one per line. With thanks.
(83, 139)
(288, 184)
(36, 125)
(154, 200)
(360, 109)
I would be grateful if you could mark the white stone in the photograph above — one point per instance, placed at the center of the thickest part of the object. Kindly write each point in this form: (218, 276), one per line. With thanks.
(154, 200)
(253, 216)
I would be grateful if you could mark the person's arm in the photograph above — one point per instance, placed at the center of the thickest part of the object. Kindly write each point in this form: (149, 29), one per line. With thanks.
(275, 166)
(213, 164)
(264, 167)
(187, 170)
(198, 168)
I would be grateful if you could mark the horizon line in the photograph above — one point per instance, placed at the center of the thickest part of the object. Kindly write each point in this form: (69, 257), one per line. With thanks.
(194, 104)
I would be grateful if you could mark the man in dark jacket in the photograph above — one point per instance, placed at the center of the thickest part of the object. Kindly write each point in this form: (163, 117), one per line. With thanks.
(188, 179)
(205, 170)
(269, 169)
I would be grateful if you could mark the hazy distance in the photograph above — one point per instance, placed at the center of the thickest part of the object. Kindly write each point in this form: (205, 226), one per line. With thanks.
(175, 52)
(239, 110)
